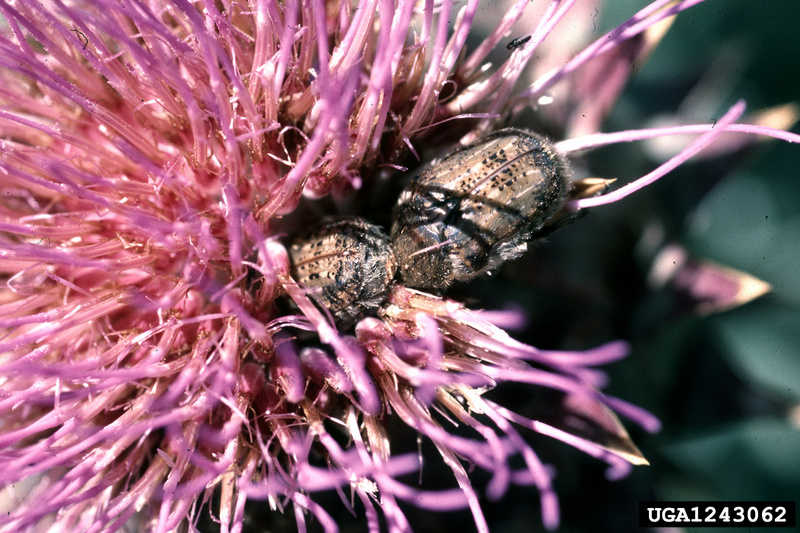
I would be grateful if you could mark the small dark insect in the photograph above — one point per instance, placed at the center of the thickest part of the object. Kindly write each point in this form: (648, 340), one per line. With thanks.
(518, 43)
(476, 208)
(350, 261)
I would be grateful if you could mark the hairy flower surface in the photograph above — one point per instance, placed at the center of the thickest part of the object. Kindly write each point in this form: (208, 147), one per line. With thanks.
(156, 355)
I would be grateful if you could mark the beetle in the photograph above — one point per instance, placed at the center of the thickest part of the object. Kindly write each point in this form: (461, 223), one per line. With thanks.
(518, 43)
(477, 208)
(351, 263)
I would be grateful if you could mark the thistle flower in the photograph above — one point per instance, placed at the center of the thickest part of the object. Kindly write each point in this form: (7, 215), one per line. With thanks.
(155, 349)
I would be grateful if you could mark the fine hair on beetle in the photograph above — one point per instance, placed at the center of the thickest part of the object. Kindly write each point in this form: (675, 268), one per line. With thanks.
(476, 208)
(348, 265)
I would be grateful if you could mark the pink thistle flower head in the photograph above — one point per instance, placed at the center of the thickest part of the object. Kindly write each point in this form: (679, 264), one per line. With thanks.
(157, 348)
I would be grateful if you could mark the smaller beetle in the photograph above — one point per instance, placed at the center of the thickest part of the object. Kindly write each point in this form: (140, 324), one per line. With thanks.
(476, 208)
(350, 261)
(518, 43)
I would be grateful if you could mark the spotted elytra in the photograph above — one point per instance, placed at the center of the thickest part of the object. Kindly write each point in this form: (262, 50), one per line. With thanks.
(347, 263)
(476, 208)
